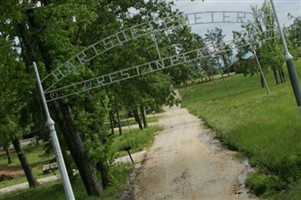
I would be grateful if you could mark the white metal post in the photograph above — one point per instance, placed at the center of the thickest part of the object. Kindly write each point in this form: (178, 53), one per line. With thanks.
(55, 142)
(289, 63)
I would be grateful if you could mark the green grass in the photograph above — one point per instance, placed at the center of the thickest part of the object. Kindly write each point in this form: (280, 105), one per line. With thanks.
(54, 190)
(34, 154)
(136, 138)
(131, 121)
(35, 159)
(266, 127)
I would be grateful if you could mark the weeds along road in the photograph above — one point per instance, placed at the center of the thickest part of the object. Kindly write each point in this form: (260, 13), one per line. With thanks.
(180, 167)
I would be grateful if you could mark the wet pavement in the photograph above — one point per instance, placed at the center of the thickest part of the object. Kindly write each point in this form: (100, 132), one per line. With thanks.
(215, 145)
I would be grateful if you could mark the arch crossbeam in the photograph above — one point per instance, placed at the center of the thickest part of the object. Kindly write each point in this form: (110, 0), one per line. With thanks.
(111, 42)
(140, 30)
(125, 74)
(218, 17)
(136, 71)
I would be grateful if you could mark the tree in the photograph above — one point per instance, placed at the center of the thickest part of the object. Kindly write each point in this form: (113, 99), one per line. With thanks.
(294, 34)
(216, 39)
(38, 42)
(261, 34)
(14, 120)
(183, 40)
(5, 146)
(269, 22)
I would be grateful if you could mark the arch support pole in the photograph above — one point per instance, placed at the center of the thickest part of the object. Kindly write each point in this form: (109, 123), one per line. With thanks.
(289, 62)
(55, 142)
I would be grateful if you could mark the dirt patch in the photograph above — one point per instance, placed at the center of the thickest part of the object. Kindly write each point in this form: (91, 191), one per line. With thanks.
(8, 170)
(11, 171)
(180, 166)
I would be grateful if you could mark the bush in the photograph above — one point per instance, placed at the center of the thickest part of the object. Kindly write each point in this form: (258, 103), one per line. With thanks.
(289, 168)
(261, 183)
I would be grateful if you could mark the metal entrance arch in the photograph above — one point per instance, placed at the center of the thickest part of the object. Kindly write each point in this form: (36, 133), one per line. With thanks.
(137, 31)
(136, 71)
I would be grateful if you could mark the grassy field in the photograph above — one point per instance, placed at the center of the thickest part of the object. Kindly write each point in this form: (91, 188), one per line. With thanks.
(137, 139)
(35, 158)
(266, 127)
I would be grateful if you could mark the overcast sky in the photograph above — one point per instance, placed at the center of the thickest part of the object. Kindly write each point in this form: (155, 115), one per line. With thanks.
(282, 8)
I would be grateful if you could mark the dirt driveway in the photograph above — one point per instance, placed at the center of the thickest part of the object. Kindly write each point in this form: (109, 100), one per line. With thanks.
(179, 166)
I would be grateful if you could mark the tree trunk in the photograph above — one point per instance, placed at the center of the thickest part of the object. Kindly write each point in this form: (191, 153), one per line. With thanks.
(101, 165)
(261, 81)
(275, 76)
(111, 117)
(137, 118)
(8, 155)
(119, 122)
(68, 161)
(77, 150)
(281, 74)
(210, 72)
(226, 64)
(32, 181)
(103, 168)
(142, 110)
(28, 53)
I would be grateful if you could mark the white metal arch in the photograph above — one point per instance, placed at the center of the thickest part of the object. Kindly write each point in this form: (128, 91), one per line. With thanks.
(139, 70)
(140, 30)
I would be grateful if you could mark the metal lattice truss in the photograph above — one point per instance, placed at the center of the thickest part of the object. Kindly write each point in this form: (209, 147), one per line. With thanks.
(124, 36)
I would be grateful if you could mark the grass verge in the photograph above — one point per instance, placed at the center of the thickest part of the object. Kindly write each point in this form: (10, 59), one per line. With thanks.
(266, 127)
(136, 138)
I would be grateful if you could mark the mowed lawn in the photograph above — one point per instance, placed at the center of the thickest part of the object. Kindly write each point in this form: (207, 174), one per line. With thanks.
(266, 127)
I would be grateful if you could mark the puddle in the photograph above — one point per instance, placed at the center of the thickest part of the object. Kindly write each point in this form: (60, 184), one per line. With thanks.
(215, 145)
(204, 137)
(243, 190)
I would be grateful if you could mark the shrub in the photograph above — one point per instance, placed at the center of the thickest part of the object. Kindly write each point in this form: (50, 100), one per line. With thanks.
(262, 183)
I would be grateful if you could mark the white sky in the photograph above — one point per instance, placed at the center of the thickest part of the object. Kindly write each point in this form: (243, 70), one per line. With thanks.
(282, 8)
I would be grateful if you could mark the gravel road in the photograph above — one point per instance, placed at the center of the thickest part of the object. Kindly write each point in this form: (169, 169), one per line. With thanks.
(179, 166)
